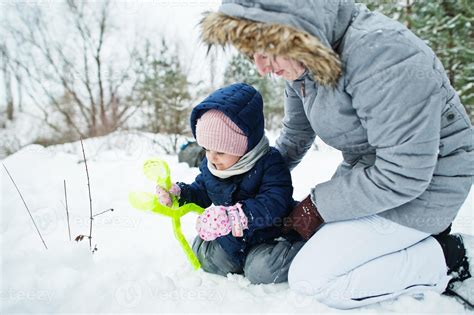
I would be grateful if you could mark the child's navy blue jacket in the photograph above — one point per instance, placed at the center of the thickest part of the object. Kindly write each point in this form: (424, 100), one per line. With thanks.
(265, 191)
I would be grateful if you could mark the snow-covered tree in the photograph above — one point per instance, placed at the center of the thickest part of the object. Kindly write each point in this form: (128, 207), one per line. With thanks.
(447, 27)
(163, 93)
(240, 69)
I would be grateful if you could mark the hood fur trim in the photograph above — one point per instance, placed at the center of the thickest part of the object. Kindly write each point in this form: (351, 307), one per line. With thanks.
(275, 39)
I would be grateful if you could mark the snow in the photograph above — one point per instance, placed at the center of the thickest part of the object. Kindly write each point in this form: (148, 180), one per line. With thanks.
(138, 266)
(26, 128)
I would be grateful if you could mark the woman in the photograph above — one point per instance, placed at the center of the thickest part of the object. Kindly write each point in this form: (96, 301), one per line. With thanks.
(370, 88)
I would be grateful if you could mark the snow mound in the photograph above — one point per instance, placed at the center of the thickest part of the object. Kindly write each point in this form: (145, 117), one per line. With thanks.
(138, 266)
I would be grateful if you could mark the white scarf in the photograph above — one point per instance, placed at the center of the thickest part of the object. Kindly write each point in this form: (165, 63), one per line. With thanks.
(246, 162)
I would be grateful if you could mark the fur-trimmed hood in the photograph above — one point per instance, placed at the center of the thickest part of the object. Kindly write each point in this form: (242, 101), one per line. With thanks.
(305, 31)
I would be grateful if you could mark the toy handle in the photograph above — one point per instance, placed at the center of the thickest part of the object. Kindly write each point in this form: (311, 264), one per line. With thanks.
(184, 244)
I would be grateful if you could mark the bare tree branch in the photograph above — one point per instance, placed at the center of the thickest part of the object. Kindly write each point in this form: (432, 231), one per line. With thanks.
(102, 28)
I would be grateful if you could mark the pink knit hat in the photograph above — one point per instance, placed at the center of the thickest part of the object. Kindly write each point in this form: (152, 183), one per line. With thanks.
(217, 132)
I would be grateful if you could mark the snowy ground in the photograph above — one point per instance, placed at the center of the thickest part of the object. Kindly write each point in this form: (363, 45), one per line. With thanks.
(138, 266)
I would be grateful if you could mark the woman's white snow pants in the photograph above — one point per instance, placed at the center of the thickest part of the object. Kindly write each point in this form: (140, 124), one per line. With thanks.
(353, 263)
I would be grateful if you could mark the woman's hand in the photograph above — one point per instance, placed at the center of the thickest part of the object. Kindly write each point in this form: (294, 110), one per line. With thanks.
(165, 196)
(304, 219)
(218, 221)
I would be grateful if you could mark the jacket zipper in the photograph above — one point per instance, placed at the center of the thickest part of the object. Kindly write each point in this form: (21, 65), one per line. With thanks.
(303, 89)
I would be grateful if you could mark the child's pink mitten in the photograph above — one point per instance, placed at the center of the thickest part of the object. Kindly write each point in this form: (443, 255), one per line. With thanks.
(164, 196)
(217, 221)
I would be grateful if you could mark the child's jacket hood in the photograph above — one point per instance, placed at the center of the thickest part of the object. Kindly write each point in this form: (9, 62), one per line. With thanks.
(240, 102)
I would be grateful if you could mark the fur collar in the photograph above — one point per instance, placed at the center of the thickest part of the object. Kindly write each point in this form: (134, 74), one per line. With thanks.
(275, 39)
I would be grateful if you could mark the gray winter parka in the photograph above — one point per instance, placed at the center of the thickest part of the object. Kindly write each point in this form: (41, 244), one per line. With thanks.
(374, 91)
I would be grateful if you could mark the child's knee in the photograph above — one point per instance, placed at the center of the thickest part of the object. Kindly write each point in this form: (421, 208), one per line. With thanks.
(197, 245)
(213, 258)
(269, 263)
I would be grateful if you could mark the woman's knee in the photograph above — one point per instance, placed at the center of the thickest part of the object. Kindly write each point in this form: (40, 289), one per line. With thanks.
(319, 285)
(310, 271)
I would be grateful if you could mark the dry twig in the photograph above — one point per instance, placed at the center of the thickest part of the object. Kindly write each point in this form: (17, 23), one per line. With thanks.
(111, 209)
(29, 212)
(90, 198)
(67, 211)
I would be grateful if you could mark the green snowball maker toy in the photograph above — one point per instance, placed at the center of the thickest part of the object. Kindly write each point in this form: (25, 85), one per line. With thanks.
(158, 171)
